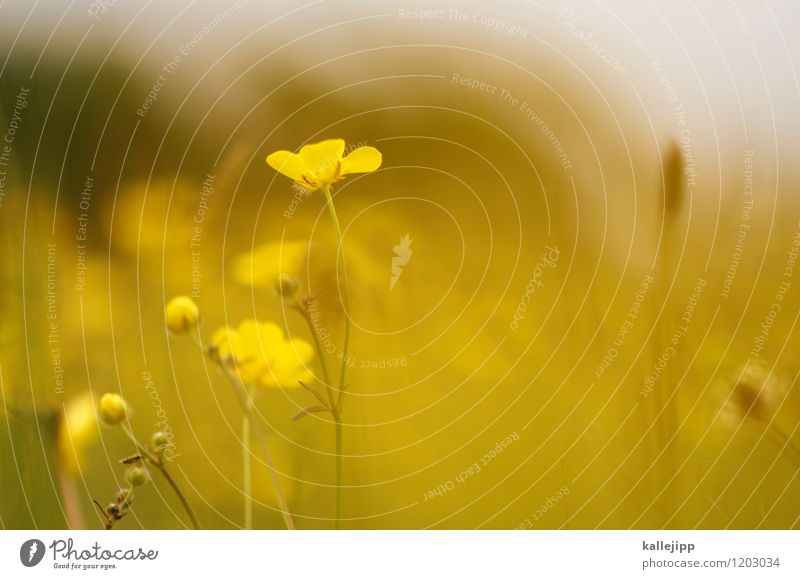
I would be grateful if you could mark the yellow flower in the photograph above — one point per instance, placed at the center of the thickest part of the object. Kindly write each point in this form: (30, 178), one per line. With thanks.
(76, 431)
(324, 163)
(112, 409)
(262, 356)
(182, 314)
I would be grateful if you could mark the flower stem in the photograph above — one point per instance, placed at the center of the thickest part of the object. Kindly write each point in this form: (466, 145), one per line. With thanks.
(345, 285)
(156, 462)
(320, 352)
(69, 496)
(247, 407)
(247, 470)
(338, 499)
(244, 398)
(345, 346)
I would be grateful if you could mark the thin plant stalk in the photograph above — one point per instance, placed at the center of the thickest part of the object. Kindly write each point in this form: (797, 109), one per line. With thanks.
(247, 407)
(247, 475)
(320, 353)
(157, 462)
(345, 346)
(664, 396)
(345, 286)
(332, 406)
(245, 401)
(69, 496)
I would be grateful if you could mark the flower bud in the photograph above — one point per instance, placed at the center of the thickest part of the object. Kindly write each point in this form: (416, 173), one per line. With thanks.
(136, 476)
(160, 440)
(182, 314)
(287, 285)
(112, 409)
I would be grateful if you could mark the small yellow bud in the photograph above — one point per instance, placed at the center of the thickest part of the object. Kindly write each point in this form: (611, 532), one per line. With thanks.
(182, 314)
(287, 285)
(112, 409)
(136, 476)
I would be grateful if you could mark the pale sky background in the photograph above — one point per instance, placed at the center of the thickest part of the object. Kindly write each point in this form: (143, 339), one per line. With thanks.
(731, 64)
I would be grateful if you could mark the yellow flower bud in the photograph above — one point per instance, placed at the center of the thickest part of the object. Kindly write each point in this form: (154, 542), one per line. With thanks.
(182, 314)
(112, 409)
(287, 285)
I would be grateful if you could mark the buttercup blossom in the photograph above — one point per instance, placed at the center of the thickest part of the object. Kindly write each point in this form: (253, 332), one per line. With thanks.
(322, 164)
(261, 355)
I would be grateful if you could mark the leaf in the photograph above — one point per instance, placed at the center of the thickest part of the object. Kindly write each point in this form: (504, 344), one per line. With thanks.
(310, 410)
(131, 459)
(315, 392)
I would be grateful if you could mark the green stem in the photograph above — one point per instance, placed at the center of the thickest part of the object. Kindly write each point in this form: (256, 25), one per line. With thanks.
(180, 494)
(69, 496)
(345, 286)
(247, 476)
(156, 462)
(320, 353)
(250, 418)
(338, 499)
(342, 261)
(247, 407)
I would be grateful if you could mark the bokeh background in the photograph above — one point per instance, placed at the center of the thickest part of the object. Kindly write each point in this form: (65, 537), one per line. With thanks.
(596, 327)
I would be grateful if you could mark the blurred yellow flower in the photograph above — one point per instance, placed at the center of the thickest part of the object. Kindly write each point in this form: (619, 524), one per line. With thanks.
(268, 262)
(324, 163)
(262, 356)
(76, 431)
(182, 314)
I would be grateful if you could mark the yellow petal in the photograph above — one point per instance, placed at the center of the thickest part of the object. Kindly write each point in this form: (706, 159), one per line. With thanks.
(323, 158)
(362, 160)
(289, 164)
(289, 379)
(301, 350)
(259, 337)
(250, 372)
(289, 363)
(225, 340)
